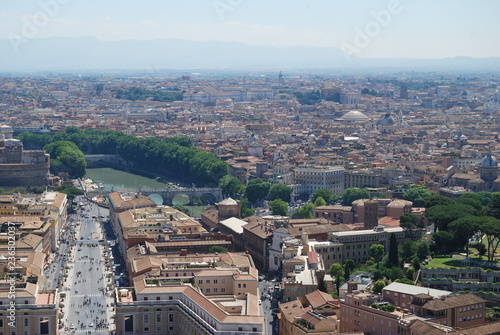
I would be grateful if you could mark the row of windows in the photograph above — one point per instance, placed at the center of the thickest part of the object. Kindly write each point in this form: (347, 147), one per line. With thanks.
(473, 307)
(214, 290)
(470, 317)
(215, 281)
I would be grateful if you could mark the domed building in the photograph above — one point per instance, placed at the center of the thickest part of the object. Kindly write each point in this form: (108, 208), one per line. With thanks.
(387, 124)
(460, 140)
(354, 116)
(489, 172)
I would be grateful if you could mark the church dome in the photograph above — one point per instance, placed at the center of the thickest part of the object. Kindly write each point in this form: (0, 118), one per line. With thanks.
(387, 120)
(354, 116)
(489, 161)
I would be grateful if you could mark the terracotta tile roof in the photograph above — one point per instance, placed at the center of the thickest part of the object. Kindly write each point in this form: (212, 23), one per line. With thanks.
(490, 328)
(291, 309)
(119, 204)
(319, 298)
(451, 302)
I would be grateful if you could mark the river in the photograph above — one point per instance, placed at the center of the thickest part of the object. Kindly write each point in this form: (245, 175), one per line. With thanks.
(122, 180)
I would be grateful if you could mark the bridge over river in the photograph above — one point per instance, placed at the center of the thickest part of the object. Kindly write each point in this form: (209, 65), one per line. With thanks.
(213, 195)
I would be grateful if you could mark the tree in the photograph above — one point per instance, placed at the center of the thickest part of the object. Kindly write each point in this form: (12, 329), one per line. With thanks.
(442, 215)
(423, 250)
(230, 185)
(305, 211)
(393, 250)
(257, 190)
(408, 249)
(378, 286)
(491, 228)
(245, 211)
(338, 282)
(494, 206)
(351, 194)
(349, 265)
(70, 191)
(321, 282)
(67, 158)
(336, 270)
(434, 200)
(480, 247)
(219, 249)
(472, 200)
(279, 207)
(323, 193)
(409, 223)
(485, 197)
(377, 252)
(464, 228)
(183, 209)
(319, 202)
(416, 194)
(280, 191)
(444, 240)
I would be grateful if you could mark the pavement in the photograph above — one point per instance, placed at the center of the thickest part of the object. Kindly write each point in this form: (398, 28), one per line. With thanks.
(89, 291)
(268, 303)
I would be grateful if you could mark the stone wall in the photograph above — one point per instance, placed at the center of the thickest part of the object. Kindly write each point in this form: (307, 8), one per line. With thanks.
(24, 174)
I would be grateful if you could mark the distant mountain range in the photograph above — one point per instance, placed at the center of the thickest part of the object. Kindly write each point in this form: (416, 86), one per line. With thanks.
(86, 53)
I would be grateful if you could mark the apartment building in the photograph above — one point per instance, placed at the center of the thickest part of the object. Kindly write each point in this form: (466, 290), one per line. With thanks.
(402, 295)
(309, 180)
(360, 179)
(36, 312)
(366, 312)
(354, 244)
(315, 313)
(42, 215)
(384, 207)
(335, 214)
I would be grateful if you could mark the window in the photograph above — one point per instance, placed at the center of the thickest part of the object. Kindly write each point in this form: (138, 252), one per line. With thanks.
(158, 329)
(170, 318)
(145, 298)
(170, 328)
(157, 298)
(223, 290)
(146, 329)
(200, 281)
(146, 318)
(215, 281)
(215, 290)
(240, 329)
(26, 322)
(158, 317)
(254, 330)
(207, 290)
(129, 323)
(244, 285)
(239, 285)
(44, 326)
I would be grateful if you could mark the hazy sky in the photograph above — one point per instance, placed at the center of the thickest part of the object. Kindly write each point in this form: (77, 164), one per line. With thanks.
(416, 28)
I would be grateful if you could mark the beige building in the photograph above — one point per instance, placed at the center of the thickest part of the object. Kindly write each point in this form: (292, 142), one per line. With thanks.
(160, 306)
(42, 215)
(35, 312)
(314, 314)
(354, 244)
(309, 180)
